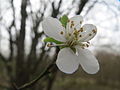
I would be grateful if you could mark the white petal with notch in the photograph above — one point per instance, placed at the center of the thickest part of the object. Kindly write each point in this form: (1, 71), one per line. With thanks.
(77, 21)
(67, 61)
(53, 28)
(89, 31)
(88, 61)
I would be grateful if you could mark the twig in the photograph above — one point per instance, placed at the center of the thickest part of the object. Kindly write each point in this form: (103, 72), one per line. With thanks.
(29, 84)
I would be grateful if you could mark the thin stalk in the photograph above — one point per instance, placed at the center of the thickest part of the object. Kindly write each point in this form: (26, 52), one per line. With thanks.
(29, 84)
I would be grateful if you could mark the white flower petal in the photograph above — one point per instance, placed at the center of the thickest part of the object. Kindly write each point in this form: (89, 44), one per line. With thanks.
(67, 61)
(77, 21)
(88, 62)
(89, 31)
(53, 28)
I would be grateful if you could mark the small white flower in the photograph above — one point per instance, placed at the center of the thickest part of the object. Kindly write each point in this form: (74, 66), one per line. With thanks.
(73, 36)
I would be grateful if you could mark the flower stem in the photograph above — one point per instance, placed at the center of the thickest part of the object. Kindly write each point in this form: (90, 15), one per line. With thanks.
(49, 45)
(29, 84)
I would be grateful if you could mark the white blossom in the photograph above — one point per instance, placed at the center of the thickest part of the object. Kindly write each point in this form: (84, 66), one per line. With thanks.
(73, 36)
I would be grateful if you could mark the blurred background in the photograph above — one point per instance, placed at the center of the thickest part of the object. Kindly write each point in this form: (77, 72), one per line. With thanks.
(24, 55)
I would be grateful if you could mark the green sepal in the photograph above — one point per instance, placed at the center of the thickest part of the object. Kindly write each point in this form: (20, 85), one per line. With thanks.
(64, 19)
(49, 39)
(73, 49)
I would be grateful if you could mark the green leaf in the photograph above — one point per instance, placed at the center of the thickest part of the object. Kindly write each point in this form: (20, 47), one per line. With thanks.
(64, 19)
(49, 39)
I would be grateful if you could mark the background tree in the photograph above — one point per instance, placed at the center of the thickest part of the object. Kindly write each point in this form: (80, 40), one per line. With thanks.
(22, 67)
(27, 55)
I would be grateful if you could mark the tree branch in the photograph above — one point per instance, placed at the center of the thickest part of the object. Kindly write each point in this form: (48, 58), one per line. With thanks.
(81, 6)
(20, 59)
(90, 7)
(3, 58)
(27, 85)
(56, 10)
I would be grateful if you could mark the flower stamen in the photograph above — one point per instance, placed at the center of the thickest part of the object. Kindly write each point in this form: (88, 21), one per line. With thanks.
(80, 22)
(88, 42)
(87, 45)
(80, 35)
(68, 20)
(72, 24)
(69, 34)
(61, 32)
(81, 30)
(90, 34)
(94, 31)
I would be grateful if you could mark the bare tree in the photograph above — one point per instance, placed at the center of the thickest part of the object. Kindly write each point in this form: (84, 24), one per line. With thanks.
(21, 67)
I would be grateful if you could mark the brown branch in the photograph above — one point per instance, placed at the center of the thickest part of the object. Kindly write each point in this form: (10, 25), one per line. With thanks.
(3, 58)
(90, 7)
(39, 60)
(28, 85)
(53, 76)
(20, 78)
(81, 6)
(10, 33)
(55, 11)
(51, 79)
(31, 60)
(32, 55)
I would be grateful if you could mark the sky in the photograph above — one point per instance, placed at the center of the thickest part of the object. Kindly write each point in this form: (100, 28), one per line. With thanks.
(105, 14)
